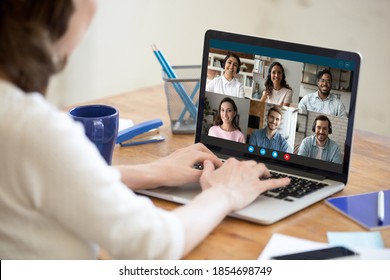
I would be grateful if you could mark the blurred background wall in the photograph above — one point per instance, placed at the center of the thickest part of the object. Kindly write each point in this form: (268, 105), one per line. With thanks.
(116, 55)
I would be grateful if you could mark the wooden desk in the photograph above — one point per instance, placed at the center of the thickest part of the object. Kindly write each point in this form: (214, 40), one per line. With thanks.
(236, 239)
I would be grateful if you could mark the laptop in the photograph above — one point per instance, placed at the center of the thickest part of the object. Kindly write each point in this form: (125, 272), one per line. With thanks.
(301, 63)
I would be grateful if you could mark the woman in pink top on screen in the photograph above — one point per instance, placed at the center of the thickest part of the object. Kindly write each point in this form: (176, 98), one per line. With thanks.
(226, 125)
(277, 91)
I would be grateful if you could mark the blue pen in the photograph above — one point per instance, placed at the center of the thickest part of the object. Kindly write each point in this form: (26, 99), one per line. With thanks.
(192, 97)
(381, 207)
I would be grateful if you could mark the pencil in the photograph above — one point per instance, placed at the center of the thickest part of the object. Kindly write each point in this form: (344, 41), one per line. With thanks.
(178, 86)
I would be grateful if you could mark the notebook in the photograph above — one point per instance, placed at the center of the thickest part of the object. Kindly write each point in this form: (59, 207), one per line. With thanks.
(301, 63)
(367, 216)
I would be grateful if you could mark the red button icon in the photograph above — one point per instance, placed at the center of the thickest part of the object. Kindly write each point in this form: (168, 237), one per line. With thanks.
(286, 156)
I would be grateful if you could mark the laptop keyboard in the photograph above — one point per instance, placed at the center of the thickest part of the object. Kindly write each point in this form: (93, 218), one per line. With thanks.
(297, 188)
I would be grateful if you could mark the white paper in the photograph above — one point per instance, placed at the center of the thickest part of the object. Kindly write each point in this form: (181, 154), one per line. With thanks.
(281, 244)
(124, 123)
(362, 239)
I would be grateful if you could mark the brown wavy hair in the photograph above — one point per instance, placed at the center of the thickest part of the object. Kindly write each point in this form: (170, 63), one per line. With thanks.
(28, 29)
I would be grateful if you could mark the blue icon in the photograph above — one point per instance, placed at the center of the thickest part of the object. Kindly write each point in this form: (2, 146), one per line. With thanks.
(262, 151)
(251, 149)
(275, 154)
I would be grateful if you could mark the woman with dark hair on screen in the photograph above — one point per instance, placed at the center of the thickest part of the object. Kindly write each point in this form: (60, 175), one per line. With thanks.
(227, 82)
(58, 197)
(226, 124)
(277, 91)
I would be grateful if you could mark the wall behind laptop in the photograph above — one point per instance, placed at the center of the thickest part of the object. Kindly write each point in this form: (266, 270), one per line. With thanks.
(116, 55)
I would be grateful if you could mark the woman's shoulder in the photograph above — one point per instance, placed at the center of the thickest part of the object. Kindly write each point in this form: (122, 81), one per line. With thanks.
(214, 129)
(287, 89)
(26, 110)
(237, 80)
(217, 79)
(238, 131)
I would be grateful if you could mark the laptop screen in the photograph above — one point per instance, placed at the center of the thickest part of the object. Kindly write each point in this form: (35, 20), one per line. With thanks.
(288, 105)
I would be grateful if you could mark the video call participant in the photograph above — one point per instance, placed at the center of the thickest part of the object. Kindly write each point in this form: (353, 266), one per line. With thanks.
(323, 101)
(227, 83)
(319, 145)
(269, 137)
(226, 125)
(277, 91)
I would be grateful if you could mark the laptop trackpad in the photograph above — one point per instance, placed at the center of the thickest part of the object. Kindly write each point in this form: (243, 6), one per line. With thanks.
(180, 194)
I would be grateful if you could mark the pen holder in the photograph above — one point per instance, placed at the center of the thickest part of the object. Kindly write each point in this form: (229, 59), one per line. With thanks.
(182, 97)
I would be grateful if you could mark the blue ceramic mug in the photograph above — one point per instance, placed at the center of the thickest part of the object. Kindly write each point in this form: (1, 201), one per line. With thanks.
(101, 126)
